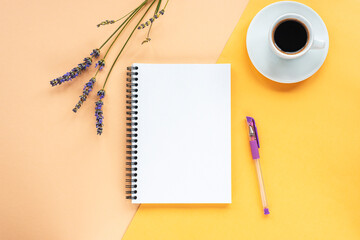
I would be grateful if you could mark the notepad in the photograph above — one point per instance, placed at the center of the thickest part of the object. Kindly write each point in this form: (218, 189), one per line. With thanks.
(178, 133)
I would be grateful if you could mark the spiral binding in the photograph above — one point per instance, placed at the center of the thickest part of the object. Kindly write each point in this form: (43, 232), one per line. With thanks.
(131, 132)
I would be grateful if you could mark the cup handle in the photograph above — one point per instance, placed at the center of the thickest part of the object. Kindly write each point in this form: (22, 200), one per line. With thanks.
(318, 44)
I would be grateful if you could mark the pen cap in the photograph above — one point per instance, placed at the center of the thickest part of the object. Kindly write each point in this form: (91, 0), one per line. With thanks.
(251, 122)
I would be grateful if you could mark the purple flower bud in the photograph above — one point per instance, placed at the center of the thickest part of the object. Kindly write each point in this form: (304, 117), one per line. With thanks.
(101, 93)
(95, 53)
(99, 114)
(87, 61)
(101, 64)
(73, 73)
(86, 91)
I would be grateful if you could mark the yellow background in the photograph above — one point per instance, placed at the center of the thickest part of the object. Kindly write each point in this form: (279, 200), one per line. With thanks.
(309, 136)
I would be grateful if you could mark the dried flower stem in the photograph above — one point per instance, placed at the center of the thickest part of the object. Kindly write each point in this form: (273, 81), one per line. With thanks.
(117, 57)
(166, 4)
(129, 13)
(127, 22)
(148, 34)
(119, 27)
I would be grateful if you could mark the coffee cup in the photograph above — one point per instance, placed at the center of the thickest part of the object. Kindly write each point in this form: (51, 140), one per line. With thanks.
(291, 36)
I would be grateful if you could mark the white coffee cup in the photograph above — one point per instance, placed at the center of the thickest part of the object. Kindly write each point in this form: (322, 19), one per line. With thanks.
(312, 42)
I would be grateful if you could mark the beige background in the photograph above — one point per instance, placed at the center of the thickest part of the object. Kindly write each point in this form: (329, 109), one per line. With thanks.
(58, 179)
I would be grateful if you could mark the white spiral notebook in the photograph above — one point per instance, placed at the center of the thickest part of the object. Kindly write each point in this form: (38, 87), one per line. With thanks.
(178, 133)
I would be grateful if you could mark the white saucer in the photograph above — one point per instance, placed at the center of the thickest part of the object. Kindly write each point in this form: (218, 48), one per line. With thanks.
(274, 67)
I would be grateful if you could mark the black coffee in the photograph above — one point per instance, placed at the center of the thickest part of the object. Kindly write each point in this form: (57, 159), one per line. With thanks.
(290, 36)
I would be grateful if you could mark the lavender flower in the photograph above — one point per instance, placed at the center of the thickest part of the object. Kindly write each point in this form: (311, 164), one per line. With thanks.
(95, 53)
(55, 82)
(101, 64)
(99, 116)
(106, 22)
(101, 93)
(141, 26)
(87, 62)
(100, 61)
(151, 20)
(73, 73)
(86, 90)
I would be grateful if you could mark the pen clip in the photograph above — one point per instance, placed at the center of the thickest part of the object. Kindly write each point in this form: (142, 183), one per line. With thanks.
(251, 123)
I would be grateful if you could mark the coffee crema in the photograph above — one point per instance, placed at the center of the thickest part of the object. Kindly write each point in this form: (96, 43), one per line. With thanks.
(290, 36)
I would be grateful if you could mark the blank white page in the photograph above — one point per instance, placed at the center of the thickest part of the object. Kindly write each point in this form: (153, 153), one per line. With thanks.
(184, 133)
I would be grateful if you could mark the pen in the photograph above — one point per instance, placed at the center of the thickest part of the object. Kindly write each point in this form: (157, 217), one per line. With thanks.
(254, 146)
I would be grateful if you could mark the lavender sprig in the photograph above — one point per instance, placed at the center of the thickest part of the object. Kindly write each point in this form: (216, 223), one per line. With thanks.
(76, 70)
(73, 73)
(151, 20)
(106, 22)
(101, 93)
(88, 87)
(99, 113)
(95, 53)
(101, 64)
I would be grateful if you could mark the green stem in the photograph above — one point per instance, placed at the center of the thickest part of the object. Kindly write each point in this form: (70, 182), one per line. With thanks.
(166, 4)
(126, 14)
(112, 66)
(96, 72)
(157, 7)
(148, 34)
(127, 22)
(119, 27)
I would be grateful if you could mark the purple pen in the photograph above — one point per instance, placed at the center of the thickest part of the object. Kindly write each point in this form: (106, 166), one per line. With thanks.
(254, 146)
